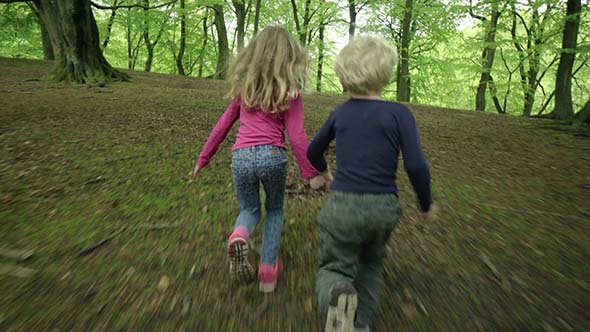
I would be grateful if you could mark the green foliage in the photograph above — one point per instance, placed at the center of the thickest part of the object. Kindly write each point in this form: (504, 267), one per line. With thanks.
(445, 48)
(20, 36)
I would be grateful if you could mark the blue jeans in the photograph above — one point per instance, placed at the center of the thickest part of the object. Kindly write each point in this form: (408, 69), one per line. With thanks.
(250, 166)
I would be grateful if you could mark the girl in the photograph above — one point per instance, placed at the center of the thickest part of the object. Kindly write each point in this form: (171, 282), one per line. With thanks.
(265, 80)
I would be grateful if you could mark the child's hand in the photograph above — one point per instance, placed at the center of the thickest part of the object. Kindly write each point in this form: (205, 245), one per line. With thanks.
(317, 182)
(197, 171)
(430, 215)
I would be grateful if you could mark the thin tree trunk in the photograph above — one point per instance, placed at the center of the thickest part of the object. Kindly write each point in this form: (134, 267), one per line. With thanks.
(129, 41)
(204, 46)
(257, 16)
(296, 19)
(107, 38)
(563, 81)
(487, 60)
(534, 62)
(151, 45)
(521, 59)
(146, 37)
(180, 57)
(495, 99)
(222, 43)
(240, 9)
(72, 30)
(352, 14)
(306, 20)
(320, 58)
(403, 76)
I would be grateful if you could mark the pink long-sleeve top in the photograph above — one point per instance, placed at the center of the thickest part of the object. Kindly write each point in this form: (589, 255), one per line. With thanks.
(261, 128)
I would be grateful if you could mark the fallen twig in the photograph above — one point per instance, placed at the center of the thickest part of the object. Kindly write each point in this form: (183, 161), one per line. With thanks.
(105, 240)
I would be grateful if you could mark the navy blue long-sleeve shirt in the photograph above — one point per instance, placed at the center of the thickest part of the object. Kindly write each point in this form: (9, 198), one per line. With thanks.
(369, 136)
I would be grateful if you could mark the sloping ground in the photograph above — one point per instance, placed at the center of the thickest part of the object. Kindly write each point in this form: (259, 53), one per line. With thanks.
(509, 253)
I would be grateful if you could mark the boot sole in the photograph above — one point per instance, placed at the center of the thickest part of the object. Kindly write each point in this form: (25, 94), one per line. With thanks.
(240, 268)
(342, 310)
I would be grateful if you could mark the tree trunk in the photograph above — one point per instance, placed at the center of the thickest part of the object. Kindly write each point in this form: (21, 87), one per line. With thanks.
(352, 24)
(563, 81)
(46, 41)
(107, 38)
(494, 92)
(257, 16)
(47, 47)
(306, 20)
(403, 73)
(521, 60)
(201, 54)
(320, 58)
(222, 43)
(583, 116)
(180, 57)
(131, 62)
(72, 30)
(487, 60)
(146, 38)
(240, 9)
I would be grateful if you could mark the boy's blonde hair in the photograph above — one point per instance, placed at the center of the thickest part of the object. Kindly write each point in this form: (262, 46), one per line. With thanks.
(270, 71)
(365, 65)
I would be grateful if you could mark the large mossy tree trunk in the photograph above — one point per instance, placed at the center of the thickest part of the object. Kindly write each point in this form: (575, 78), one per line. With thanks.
(74, 38)
(564, 109)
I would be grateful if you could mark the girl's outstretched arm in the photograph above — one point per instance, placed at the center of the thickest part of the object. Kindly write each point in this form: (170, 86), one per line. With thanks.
(218, 134)
(294, 119)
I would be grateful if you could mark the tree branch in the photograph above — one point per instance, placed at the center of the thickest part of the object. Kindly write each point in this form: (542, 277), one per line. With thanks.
(99, 6)
(481, 18)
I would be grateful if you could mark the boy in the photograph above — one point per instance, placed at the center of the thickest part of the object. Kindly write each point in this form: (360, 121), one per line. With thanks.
(363, 209)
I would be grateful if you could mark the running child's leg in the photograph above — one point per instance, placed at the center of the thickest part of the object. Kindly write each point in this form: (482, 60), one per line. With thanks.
(383, 216)
(339, 240)
(247, 187)
(247, 190)
(273, 174)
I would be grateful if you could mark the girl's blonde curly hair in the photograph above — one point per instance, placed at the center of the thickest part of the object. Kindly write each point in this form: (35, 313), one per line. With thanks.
(270, 71)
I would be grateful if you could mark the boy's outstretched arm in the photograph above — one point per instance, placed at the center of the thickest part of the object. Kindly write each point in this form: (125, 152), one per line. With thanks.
(415, 162)
(219, 132)
(317, 147)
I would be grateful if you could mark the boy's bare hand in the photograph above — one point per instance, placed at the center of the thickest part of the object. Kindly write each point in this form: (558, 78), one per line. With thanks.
(430, 215)
(317, 182)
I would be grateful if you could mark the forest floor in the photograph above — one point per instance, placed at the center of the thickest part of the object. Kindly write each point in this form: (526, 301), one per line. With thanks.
(510, 251)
